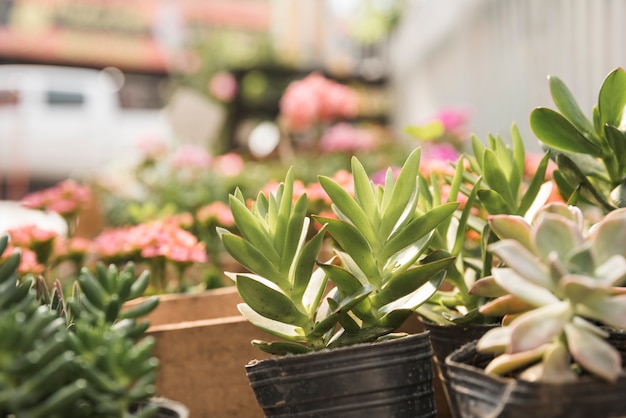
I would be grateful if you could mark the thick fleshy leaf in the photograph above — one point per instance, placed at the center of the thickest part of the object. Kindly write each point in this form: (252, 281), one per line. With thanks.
(572, 174)
(539, 326)
(314, 291)
(511, 227)
(557, 132)
(612, 98)
(496, 178)
(617, 142)
(518, 258)
(612, 272)
(496, 340)
(493, 202)
(305, 263)
(279, 329)
(348, 207)
(292, 230)
(566, 103)
(253, 230)
(487, 287)
(538, 191)
(413, 300)
(268, 302)
(336, 310)
(252, 259)
(504, 305)
(551, 233)
(518, 286)
(409, 281)
(507, 363)
(594, 354)
(608, 237)
(418, 228)
(582, 289)
(281, 348)
(555, 368)
(610, 310)
(364, 191)
(404, 196)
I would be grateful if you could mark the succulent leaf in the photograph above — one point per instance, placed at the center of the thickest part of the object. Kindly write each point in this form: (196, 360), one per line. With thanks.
(518, 258)
(538, 326)
(593, 353)
(522, 288)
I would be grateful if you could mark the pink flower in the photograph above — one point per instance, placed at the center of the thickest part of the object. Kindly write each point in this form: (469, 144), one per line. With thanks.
(28, 260)
(191, 156)
(30, 235)
(316, 99)
(343, 137)
(229, 165)
(152, 147)
(66, 198)
(453, 120)
(223, 86)
(218, 212)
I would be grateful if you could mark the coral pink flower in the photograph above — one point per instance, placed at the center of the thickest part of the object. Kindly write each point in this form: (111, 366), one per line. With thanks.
(191, 156)
(343, 137)
(218, 212)
(66, 198)
(316, 99)
(229, 165)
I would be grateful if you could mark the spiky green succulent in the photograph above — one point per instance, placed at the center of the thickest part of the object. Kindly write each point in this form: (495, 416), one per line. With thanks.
(558, 290)
(377, 278)
(77, 356)
(589, 153)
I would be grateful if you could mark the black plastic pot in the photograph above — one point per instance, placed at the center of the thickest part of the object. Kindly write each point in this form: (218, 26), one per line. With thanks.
(446, 339)
(479, 395)
(392, 378)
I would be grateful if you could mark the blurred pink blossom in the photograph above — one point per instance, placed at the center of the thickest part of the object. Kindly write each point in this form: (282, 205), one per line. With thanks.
(28, 260)
(66, 198)
(223, 86)
(229, 165)
(216, 211)
(191, 156)
(343, 137)
(316, 99)
(152, 147)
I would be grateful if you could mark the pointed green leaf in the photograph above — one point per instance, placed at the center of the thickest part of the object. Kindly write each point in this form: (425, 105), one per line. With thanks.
(417, 229)
(557, 132)
(253, 259)
(296, 231)
(413, 300)
(364, 191)
(493, 202)
(253, 230)
(478, 149)
(409, 281)
(269, 302)
(496, 177)
(566, 103)
(534, 187)
(519, 161)
(279, 329)
(281, 348)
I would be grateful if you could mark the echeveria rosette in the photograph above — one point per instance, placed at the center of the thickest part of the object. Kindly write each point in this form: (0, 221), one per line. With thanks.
(283, 289)
(589, 153)
(382, 240)
(559, 292)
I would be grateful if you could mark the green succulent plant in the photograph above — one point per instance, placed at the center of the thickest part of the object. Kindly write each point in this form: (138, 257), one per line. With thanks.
(82, 356)
(589, 153)
(559, 293)
(376, 278)
(494, 184)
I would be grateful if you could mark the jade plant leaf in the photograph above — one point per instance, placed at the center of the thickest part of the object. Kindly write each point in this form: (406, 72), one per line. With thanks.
(612, 98)
(566, 103)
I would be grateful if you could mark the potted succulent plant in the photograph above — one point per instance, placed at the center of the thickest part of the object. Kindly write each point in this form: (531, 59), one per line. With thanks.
(560, 348)
(81, 356)
(490, 181)
(338, 354)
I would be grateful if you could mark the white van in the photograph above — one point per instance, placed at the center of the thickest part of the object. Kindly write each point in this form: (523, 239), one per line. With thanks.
(60, 122)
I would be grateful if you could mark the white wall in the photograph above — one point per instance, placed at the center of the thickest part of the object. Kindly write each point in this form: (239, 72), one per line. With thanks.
(493, 56)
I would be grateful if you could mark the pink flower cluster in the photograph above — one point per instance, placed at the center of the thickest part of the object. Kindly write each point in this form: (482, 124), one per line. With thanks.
(35, 244)
(316, 99)
(343, 137)
(66, 198)
(150, 240)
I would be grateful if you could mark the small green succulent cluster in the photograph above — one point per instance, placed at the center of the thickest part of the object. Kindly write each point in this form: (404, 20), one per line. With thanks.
(589, 153)
(492, 181)
(378, 276)
(560, 292)
(82, 356)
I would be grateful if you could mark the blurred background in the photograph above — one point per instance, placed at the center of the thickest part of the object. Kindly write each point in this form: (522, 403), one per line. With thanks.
(84, 83)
